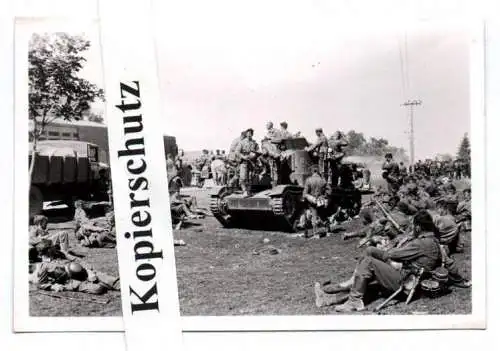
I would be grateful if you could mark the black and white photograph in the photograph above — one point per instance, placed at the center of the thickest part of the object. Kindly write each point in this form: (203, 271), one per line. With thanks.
(71, 247)
(321, 169)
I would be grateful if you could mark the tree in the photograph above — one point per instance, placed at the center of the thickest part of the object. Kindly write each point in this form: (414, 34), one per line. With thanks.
(464, 148)
(55, 89)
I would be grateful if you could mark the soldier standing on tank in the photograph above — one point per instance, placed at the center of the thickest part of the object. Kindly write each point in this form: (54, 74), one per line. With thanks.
(271, 158)
(246, 150)
(284, 133)
(272, 132)
(320, 149)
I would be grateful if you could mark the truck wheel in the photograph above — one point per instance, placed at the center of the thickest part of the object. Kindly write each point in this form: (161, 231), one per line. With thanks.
(35, 201)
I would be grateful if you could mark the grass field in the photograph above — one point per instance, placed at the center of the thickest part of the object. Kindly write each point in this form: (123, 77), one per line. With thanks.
(104, 260)
(219, 274)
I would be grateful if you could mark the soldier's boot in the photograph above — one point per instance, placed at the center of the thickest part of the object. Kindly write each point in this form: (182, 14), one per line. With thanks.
(342, 286)
(355, 300)
(324, 299)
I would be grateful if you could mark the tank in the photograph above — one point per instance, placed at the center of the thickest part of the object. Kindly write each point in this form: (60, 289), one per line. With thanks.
(277, 204)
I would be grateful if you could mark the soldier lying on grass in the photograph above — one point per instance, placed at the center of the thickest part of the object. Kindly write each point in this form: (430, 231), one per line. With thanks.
(71, 276)
(92, 233)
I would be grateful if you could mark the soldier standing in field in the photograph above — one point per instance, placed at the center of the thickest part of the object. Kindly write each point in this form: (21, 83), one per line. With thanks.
(246, 151)
(391, 173)
(320, 150)
(315, 195)
(335, 157)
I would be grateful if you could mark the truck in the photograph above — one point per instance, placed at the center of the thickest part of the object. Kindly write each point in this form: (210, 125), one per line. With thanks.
(67, 170)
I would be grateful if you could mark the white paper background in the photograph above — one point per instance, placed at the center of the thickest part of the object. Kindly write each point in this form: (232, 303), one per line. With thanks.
(445, 340)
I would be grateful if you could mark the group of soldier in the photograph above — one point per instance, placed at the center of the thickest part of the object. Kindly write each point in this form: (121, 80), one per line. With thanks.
(453, 169)
(56, 265)
(411, 230)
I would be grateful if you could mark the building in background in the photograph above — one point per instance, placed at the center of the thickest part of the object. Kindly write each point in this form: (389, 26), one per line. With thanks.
(92, 132)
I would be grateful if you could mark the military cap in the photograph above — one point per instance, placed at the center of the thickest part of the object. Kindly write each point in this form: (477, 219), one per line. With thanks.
(388, 155)
(319, 130)
(284, 124)
(467, 190)
(249, 130)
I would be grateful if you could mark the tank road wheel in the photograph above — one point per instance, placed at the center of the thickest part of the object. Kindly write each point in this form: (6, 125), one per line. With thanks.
(286, 207)
(218, 207)
(35, 201)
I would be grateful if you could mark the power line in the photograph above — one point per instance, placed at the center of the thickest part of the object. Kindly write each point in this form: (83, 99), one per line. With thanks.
(410, 104)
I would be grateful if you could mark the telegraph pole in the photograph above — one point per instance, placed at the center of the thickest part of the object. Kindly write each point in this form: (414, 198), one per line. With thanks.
(411, 105)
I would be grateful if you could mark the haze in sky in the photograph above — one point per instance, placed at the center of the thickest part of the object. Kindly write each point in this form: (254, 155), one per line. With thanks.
(221, 74)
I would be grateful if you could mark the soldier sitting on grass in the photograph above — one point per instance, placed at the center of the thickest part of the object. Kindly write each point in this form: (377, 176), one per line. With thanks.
(182, 208)
(89, 233)
(389, 268)
(40, 239)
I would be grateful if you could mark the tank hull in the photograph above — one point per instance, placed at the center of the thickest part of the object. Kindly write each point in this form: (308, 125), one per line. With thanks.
(273, 209)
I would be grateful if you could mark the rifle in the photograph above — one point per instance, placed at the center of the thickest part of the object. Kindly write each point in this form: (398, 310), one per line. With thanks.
(102, 301)
(388, 216)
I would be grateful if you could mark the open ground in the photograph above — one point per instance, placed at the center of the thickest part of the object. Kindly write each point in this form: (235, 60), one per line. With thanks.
(228, 272)
(219, 272)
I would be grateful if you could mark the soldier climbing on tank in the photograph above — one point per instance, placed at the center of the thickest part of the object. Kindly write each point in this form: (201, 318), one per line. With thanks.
(320, 151)
(270, 159)
(247, 151)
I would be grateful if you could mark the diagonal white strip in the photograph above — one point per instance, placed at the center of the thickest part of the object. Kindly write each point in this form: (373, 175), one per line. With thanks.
(140, 189)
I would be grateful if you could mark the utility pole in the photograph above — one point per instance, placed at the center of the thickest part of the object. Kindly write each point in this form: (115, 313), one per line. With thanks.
(411, 105)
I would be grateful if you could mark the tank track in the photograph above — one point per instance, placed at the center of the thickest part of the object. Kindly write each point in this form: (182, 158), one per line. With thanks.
(224, 219)
(278, 205)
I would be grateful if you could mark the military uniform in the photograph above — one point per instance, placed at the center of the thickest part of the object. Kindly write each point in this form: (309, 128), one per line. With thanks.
(244, 149)
(37, 234)
(271, 160)
(53, 276)
(320, 147)
(91, 235)
(335, 159)
(449, 233)
(316, 196)
(284, 134)
(393, 176)
(464, 215)
(423, 251)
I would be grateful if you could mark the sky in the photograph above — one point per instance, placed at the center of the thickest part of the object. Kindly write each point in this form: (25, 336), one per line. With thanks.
(224, 71)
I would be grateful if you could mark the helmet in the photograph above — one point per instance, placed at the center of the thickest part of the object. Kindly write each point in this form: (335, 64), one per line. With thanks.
(430, 287)
(76, 271)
